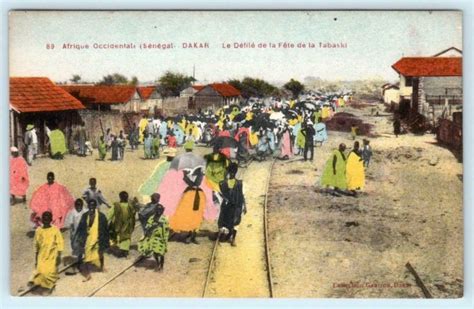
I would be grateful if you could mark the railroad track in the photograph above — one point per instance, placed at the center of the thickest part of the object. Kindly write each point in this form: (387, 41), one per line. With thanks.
(267, 252)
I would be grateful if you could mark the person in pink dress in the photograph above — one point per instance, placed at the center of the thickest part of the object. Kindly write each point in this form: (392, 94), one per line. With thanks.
(286, 152)
(171, 190)
(53, 197)
(19, 180)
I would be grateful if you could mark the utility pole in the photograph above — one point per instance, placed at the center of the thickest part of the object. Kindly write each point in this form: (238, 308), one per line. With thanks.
(194, 73)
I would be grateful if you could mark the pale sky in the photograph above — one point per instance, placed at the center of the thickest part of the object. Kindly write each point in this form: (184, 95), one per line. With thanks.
(375, 40)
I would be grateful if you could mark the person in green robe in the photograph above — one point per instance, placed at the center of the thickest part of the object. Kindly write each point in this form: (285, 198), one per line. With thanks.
(153, 182)
(155, 240)
(334, 173)
(121, 218)
(317, 116)
(155, 146)
(300, 141)
(58, 144)
(216, 168)
(102, 148)
(189, 146)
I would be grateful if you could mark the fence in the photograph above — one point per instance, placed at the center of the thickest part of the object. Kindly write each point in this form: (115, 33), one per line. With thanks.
(450, 132)
(174, 106)
(441, 99)
(96, 121)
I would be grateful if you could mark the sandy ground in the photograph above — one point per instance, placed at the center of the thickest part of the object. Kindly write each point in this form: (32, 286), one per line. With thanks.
(411, 211)
(241, 271)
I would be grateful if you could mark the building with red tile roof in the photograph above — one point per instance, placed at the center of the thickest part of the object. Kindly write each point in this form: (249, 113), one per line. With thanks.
(429, 84)
(151, 99)
(145, 92)
(225, 90)
(429, 66)
(39, 94)
(216, 95)
(114, 97)
(40, 102)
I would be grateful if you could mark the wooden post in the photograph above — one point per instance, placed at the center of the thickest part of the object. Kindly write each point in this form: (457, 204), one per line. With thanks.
(418, 281)
(433, 119)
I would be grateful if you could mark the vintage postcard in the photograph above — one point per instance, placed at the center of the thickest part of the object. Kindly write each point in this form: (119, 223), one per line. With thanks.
(236, 154)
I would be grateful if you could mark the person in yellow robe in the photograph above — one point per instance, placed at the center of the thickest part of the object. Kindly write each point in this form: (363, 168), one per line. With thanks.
(49, 244)
(182, 124)
(91, 239)
(355, 174)
(253, 138)
(141, 128)
(325, 112)
(121, 218)
(196, 132)
(220, 124)
(249, 116)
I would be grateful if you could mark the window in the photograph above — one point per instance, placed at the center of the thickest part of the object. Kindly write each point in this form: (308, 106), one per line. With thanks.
(408, 81)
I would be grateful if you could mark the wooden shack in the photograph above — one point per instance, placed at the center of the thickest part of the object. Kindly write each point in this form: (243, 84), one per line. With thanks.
(151, 100)
(216, 95)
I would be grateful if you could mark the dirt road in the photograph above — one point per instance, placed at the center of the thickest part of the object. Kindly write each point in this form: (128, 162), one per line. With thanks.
(325, 246)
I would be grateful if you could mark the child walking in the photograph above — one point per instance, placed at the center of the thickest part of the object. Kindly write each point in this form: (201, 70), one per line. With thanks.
(49, 244)
(155, 240)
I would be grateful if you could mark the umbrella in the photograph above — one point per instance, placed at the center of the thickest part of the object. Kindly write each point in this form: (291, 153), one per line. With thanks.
(240, 117)
(310, 106)
(291, 114)
(187, 160)
(224, 142)
(277, 116)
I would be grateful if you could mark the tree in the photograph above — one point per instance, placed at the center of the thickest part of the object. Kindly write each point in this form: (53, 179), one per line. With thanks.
(113, 79)
(134, 81)
(75, 79)
(253, 87)
(171, 83)
(294, 86)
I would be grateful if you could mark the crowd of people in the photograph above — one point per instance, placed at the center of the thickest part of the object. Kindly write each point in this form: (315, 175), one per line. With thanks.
(256, 130)
(186, 189)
